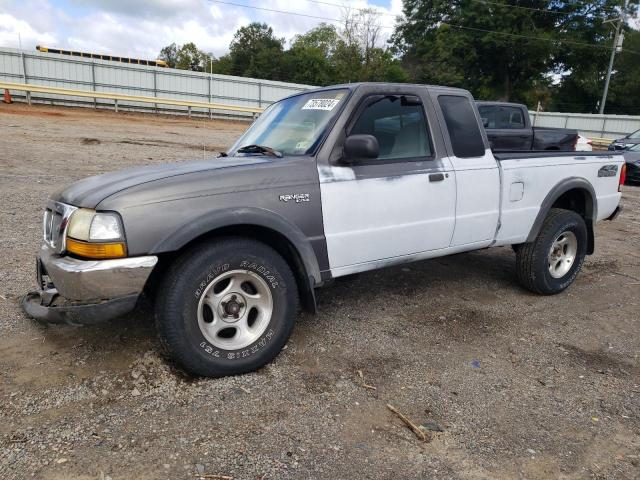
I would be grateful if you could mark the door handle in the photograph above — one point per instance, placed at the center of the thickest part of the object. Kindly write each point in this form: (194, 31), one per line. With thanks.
(436, 177)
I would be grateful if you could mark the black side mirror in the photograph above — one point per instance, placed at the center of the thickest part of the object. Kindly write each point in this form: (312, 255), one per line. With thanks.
(359, 147)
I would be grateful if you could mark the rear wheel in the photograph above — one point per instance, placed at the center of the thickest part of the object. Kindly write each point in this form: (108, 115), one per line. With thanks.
(550, 263)
(227, 307)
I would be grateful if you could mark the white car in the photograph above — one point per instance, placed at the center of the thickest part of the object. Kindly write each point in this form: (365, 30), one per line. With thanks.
(584, 144)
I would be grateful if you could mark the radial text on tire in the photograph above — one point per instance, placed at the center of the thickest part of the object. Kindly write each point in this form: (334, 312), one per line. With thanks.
(226, 307)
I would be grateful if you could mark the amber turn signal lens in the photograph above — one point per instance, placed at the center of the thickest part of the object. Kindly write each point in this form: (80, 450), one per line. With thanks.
(96, 250)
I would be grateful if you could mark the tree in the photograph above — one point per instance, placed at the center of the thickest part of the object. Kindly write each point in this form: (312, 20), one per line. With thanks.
(256, 52)
(359, 54)
(190, 58)
(547, 51)
(309, 60)
(186, 57)
(584, 69)
(483, 47)
(169, 54)
(624, 90)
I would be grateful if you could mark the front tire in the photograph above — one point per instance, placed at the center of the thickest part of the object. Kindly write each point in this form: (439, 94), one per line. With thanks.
(550, 263)
(226, 307)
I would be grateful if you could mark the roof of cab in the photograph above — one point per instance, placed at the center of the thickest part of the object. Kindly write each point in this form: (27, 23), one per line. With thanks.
(355, 86)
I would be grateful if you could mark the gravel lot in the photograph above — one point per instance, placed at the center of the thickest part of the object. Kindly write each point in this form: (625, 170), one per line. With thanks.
(522, 386)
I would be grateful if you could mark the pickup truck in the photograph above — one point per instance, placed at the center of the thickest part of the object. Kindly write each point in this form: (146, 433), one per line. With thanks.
(325, 183)
(509, 128)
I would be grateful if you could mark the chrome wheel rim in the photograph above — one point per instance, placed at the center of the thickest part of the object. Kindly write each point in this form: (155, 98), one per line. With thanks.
(235, 309)
(562, 254)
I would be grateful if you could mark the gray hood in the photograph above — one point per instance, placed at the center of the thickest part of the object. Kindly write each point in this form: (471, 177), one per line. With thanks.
(89, 192)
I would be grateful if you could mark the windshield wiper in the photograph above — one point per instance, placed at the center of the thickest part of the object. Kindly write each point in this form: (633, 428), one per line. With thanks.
(260, 149)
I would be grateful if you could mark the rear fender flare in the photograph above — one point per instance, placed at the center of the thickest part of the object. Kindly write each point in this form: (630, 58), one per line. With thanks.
(591, 207)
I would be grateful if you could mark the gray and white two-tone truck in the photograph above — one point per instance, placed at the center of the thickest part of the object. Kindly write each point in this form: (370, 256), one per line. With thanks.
(323, 184)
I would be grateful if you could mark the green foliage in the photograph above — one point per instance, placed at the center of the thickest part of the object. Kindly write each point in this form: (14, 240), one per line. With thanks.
(321, 56)
(186, 57)
(509, 53)
(256, 52)
(624, 92)
(498, 49)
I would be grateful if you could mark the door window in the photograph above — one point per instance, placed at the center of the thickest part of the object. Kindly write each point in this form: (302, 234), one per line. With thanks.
(399, 127)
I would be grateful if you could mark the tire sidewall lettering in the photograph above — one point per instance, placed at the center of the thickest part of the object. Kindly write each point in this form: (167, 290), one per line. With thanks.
(215, 272)
(270, 276)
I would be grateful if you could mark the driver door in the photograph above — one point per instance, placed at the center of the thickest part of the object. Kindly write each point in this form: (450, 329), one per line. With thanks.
(402, 203)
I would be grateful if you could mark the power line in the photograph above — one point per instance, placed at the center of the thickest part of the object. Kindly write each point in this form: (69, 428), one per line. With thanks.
(485, 2)
(513, 35)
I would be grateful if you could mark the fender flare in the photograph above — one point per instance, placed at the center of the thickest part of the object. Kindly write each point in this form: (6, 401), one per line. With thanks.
(591, 206)
(194, 228)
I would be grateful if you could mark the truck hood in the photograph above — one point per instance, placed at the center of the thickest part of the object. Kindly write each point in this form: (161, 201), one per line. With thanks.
(89, 192)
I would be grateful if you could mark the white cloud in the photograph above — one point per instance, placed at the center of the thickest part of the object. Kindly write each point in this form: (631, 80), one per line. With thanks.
(15, 32)
(140, 28)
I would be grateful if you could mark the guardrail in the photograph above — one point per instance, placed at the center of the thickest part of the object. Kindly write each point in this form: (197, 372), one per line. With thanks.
(117, 97)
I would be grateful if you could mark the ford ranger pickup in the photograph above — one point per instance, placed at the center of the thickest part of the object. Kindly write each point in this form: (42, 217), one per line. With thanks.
(325, 183)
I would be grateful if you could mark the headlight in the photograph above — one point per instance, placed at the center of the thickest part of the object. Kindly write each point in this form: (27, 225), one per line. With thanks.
(95, 235)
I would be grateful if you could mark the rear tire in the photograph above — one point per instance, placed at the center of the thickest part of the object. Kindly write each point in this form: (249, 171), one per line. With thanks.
(226, 307)
(550, 263)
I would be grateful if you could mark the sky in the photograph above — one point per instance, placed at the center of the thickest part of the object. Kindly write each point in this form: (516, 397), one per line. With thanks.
(140, 28)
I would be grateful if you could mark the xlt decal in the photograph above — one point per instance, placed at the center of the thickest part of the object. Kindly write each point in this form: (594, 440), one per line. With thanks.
(297, 197)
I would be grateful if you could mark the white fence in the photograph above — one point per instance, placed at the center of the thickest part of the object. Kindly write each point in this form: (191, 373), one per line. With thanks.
(589, 125)
(64, 71)
(54, 70)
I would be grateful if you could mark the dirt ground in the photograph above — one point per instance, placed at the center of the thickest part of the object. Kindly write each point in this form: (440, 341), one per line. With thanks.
(521, 386)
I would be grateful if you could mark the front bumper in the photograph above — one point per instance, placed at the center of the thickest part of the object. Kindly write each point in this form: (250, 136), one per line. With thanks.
(92, 290)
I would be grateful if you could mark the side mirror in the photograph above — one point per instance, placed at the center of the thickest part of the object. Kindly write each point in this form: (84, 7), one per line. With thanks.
(359, 147)
(485, 122)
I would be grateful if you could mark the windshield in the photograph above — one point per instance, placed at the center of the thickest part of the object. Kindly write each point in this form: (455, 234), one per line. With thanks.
(295, 125)
(635, 148)
(635, 134)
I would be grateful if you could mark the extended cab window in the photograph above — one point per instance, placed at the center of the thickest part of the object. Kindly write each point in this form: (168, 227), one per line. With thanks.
(399, 126)
(463, 126)
(495, 117)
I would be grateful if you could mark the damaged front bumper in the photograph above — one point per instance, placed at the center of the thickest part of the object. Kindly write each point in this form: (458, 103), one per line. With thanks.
(86, 291)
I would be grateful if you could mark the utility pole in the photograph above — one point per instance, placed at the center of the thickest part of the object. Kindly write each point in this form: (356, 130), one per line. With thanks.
(617, 46)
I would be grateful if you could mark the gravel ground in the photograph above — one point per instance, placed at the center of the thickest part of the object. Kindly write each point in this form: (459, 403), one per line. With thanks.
(521, 386)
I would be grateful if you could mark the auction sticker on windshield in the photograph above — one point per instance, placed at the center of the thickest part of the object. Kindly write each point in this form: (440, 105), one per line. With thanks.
(321, 104)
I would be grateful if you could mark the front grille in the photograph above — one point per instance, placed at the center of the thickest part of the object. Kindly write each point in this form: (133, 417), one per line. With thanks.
(54, 224)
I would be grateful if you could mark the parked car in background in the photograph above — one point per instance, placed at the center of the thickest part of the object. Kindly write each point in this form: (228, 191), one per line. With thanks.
(632, 159)
(627, 142)
(584, 144)
(509, 128)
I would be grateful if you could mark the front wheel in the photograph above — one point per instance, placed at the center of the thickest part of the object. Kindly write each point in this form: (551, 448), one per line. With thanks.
(226, 307)
(550, 263)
